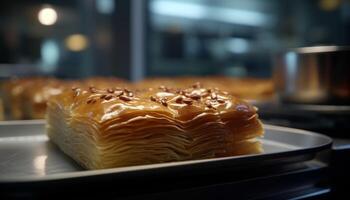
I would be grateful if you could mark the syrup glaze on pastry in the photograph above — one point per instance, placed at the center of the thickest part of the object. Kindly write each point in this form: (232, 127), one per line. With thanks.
(26, 98)
(117, 127)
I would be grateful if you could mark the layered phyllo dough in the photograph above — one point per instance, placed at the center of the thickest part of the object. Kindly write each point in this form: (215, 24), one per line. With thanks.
(114, 127)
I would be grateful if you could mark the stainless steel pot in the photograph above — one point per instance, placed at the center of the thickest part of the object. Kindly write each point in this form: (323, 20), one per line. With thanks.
(316, 75)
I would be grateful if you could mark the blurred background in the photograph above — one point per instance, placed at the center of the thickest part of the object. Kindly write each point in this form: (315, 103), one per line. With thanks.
(136, 39)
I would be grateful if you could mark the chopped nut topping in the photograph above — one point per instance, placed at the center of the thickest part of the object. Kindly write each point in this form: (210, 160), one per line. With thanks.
(92, 89)
(179, 99)
(213, 95)
(187, 101)
(153, 98)
(163, 102)
(125, 98)
(221, 100)
(130, 94)
(208, 104)
(209, 98)
(76, 92)
(110, 90)
(91, 101)
(108, 97)
(118, 93)
(195, 96)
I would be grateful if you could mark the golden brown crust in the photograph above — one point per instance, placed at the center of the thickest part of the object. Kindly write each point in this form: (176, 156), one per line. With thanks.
(13, 92)
(35, 97)
(172, 101)
(124, 127)
(26, 98)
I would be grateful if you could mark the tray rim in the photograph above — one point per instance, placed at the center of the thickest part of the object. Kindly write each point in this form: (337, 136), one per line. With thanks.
(22, 122)
(172, 165)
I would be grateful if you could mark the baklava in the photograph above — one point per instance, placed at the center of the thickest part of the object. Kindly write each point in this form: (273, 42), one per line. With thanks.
(13, 92)
(35, 97)
(117, 127)
(26, 98)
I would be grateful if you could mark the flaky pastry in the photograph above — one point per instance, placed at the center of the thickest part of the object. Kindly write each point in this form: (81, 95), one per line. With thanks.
(118, 127)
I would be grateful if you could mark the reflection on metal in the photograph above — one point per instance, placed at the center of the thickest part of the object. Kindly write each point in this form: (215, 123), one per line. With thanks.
(315, 75)
(40, 165)
(50, 54)
(317, 49)
(316, 87)
(105, 6)
(198, 11)
(47, 16)
(46, 158)
(35, 138)
(291, 70)
(76, 42)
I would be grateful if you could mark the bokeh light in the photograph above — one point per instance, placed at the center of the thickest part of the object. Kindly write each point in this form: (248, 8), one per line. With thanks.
(47, 16)
(76, 42)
